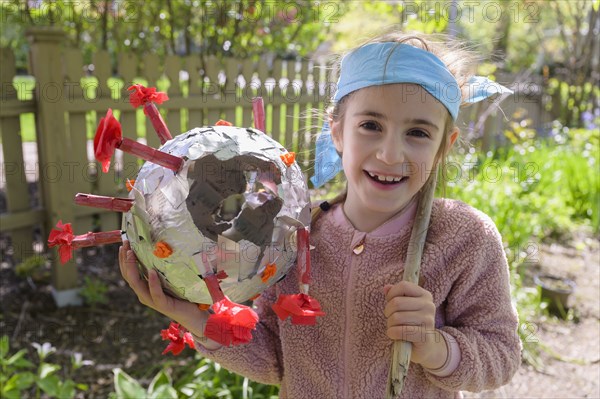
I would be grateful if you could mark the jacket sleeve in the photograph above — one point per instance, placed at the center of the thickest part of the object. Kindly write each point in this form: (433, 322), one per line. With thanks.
(480, 315)
(260, 359)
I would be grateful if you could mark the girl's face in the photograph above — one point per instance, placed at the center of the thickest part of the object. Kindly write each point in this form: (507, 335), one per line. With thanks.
(389, 137)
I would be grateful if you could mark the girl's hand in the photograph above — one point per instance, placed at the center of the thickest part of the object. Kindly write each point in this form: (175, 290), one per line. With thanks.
(410, 314)
(152, 295)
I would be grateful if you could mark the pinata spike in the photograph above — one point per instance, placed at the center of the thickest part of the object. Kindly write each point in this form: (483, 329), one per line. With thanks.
(150, 154)
(109, 136)
(258, 112)
(214, 287)
(304, 254)
(147, 96)
(103, 202)
(157, 122)
(62, 237)
(94, 239)
(302, 308)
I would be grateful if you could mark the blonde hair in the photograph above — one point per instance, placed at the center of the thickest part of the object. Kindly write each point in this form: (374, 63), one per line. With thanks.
(458, 59)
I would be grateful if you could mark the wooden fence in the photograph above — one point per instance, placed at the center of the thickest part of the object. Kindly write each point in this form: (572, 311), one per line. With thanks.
(200, 92)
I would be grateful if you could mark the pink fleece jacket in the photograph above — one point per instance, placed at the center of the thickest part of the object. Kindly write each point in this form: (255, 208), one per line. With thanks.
(347, 353)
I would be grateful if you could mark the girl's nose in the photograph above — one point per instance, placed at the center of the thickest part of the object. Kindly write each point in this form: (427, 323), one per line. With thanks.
(391, 150)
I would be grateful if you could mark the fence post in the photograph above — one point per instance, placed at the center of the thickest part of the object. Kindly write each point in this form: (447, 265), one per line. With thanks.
(16, 185)
(53, 149)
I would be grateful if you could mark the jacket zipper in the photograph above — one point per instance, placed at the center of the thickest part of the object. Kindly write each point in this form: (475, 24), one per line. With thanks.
(347, 325)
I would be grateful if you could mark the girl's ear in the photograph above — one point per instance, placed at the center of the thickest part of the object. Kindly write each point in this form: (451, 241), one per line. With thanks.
(336, 135)
(452, 137)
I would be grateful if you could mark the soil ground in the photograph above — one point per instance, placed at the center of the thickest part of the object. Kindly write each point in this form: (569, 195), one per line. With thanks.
(569, 349)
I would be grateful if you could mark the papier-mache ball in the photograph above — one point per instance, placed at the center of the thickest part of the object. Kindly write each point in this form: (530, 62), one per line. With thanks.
(233, 209)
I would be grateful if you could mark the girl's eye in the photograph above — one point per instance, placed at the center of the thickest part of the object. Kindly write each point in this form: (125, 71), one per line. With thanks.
(370, 125)
(418, 133)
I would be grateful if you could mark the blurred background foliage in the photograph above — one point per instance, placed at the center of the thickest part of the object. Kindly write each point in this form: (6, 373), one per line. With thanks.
(554, 39)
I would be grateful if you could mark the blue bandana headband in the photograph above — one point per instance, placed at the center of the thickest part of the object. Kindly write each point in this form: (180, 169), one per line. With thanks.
(378, 64)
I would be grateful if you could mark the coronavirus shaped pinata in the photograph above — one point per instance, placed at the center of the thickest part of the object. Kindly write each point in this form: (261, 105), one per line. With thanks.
(177, 223)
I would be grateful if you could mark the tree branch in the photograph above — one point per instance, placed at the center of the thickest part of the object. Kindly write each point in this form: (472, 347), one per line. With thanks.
(105, 25)
(171, 26)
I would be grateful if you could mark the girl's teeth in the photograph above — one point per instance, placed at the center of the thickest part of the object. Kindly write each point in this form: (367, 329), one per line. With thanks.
(385, 178)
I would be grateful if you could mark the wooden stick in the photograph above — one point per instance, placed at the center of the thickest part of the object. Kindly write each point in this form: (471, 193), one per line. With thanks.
(402, 349)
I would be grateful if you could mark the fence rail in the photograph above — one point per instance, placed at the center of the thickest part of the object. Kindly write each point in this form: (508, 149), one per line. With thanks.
(67, 102)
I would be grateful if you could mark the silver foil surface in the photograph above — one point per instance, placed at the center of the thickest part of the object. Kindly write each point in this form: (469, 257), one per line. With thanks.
(232, 209)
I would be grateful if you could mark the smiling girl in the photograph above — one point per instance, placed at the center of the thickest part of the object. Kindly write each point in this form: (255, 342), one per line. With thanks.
(392, 123)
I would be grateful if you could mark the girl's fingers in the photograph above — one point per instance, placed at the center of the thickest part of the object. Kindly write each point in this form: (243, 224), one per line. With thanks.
(156, 292)
(123, 251)
(149, 293)
(121, 260)
(386, 289)
(419, 319)
(407, 304)
(414, 334)
(137, 284)
(403, 288)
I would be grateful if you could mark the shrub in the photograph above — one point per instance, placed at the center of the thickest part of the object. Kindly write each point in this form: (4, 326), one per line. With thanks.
(93, 291)
(19, 376)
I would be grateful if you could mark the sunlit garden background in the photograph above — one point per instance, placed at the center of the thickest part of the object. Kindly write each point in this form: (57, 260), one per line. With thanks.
(530, 162)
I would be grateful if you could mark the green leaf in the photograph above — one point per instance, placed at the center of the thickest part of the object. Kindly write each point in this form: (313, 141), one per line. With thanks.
(82, 387)
(161, 378)
(47, 369)
(25, 380)
(164, 392)
(126, 386)
(15, 359)
(67, 390)
(10, 384)
(50, 385)
(12, 394)
(4, 346)
(23, 364)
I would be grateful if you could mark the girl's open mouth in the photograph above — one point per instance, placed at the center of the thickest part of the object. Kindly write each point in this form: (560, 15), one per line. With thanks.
(386, 180)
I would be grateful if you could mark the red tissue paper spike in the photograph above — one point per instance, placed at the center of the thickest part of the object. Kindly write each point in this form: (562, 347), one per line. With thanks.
(302, 308)
(109, 136)
(141, 95)
(147, 96)
(62, 236)
(231, 323)
(178, 336)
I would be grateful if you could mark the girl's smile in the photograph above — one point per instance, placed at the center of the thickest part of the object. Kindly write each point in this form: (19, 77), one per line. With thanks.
(388, 136)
